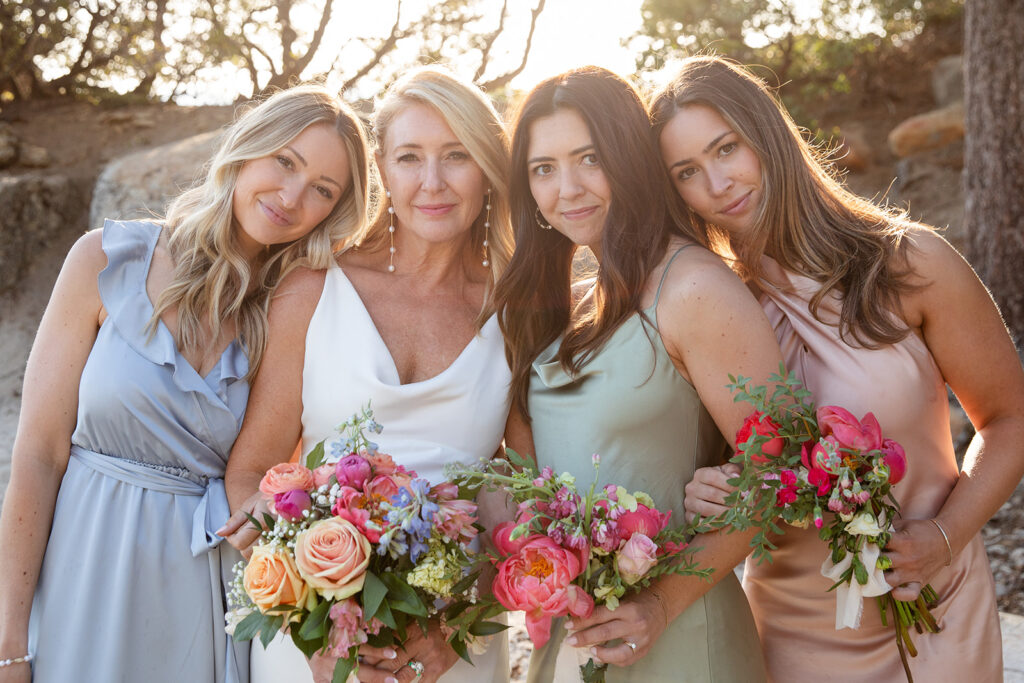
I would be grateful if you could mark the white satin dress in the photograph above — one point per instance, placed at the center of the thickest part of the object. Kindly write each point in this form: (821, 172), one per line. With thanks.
(456, 416)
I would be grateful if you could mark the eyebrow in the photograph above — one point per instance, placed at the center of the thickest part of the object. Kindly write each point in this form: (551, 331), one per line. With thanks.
(708, 148)
(306, 163)
(416, 145)
(578, 150)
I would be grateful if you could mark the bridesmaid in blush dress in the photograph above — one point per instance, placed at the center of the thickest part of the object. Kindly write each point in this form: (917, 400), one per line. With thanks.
(135, 391)
(874, 313)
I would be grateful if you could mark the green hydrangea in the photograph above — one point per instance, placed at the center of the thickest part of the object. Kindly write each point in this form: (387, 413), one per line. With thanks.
(437, 571)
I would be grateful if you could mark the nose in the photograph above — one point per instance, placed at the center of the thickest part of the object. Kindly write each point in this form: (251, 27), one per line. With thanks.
(290, 193)
(569, 186)
(433, 176)
(719, 181)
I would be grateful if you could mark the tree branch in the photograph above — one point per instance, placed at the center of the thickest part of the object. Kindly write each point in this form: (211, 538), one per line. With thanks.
(485, 52)
(498, 82)
(384, 48)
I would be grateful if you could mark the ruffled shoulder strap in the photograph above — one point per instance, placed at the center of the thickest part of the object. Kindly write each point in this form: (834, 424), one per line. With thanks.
(129, 247)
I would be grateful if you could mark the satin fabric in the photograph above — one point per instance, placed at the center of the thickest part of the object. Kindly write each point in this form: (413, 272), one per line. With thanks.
(629, 405)
(132, 582)
(901, 384)
(457, 416)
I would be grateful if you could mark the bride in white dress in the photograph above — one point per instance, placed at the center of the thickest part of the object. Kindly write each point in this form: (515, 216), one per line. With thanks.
(404, 320)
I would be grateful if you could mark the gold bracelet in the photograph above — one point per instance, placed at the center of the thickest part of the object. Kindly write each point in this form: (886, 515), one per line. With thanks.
(945, 538)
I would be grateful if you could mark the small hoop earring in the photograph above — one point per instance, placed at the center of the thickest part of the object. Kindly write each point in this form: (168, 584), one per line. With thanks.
(537, 216)
(391, 233)
(487, 227)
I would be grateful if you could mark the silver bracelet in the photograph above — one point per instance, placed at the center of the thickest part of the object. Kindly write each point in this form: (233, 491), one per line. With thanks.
(16, 660)
(945, 538)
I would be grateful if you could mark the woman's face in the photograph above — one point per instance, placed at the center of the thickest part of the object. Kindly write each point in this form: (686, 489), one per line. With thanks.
(437, 189)
(566, 179)
(714, 170)
(281, 197)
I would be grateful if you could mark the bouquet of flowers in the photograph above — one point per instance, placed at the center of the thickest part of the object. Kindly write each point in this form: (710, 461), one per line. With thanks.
(567, 551)
(357, 551)
(800, 464)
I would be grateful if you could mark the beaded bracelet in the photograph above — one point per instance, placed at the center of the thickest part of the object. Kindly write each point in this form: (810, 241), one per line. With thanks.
(16, 660)
(945, 538)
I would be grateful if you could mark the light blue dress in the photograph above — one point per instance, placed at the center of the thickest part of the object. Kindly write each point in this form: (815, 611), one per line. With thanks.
(132, 583)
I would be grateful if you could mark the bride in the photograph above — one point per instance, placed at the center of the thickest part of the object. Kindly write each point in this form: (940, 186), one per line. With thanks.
(403, 319)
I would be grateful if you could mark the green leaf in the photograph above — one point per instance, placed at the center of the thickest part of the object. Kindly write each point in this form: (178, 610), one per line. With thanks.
(386, 616)
(343, 668)
(464, 584)
(248, 627)
(308, 646)
(269, 520)
(402, 597)
(315, 625)
(316, 456)
(860, 572)
(487, 628)
(255, 522)
(374, 591)
(460, 648)
(273, 627)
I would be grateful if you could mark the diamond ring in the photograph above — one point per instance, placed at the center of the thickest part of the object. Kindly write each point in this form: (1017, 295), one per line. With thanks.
(416, 666)
(632, 645)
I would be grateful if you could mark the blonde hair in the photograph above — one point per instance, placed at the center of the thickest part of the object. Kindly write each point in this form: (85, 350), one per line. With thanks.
(477, 125)
(212, 280)
(807, 221)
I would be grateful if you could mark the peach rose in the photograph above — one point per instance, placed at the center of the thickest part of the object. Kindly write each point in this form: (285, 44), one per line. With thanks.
(286, 477)
(332, 556)
(271, 579)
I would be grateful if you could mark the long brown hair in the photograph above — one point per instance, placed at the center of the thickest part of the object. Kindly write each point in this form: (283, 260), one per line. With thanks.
(807, 220)
(534, 297)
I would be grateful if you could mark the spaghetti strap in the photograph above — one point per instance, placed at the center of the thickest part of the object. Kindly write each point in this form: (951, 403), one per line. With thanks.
(664, 274)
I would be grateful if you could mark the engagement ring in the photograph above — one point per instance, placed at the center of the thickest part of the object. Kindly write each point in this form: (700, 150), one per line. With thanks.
(632, 645)
(416, 666)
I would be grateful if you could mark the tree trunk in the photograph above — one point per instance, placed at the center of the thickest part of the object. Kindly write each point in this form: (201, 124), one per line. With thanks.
(994, 152)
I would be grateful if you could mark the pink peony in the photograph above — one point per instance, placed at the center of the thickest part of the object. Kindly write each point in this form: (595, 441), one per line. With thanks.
(332, 557)
(502, 537)
(384, 487)
(353, 470)
(643, 520)
(285, 477)
(291, 504)
(636, 558)
(895, 459)
(322, 475)
(759, 424)
(863, 435)
(538, 581)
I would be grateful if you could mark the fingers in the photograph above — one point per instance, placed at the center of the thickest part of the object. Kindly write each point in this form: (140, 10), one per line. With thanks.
(597, 635)
(244, 538)
(233, 524)
(619, 655)
(907, 592)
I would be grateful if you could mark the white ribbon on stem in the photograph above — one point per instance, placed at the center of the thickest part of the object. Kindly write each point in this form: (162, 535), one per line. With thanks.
(850, 594)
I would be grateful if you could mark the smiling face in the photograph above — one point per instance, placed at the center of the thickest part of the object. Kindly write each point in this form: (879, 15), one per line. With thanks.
(281, 197)
(437, 190)
(566, 178)
(714, 170)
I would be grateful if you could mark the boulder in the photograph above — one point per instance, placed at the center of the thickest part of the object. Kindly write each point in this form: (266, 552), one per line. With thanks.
(928, 131)
(33, 156)
(139, 185)
(930, 185)
(8, 145)
(948, 80)
(36, 210)
(854, 153)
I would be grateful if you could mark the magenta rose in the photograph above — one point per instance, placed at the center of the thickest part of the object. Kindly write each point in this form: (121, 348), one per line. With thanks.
(636, 558)
(760, 424)
(538, 581)
(352, 470)
(862, 435)
(291, 504)
(643, 520)
(895, 459)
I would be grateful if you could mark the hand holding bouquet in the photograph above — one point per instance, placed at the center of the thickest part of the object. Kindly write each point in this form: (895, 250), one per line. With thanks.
(359, 550)
(567, 551)
(800, 465)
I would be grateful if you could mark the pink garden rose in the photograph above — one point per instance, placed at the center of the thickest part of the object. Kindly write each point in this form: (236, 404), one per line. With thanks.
(895, 459)
(758, 423)
(863, 435)
(285, 477)
(538, 581)
(382, 463)
(322, 475)
(643, 520)
(332, 556)
(636, 558)
(353, 470)
(291, 504)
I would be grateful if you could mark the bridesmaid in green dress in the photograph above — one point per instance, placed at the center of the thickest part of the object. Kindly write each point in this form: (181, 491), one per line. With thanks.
(631, 364)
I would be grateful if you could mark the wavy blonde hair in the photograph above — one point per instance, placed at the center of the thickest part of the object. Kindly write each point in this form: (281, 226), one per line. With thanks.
(807, 220)
(213, 282)
(477, 125)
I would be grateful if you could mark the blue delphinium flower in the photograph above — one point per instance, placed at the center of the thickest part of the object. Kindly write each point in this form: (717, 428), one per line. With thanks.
(411, 512)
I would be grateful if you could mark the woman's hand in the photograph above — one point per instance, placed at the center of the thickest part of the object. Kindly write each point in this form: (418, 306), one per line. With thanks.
(238, 530)
(391, 665)
(705, 494)
(639, 619)
(918, 552)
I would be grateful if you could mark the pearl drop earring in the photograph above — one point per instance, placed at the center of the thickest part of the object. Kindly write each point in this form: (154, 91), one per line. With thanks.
(391, 233)
(487, 227)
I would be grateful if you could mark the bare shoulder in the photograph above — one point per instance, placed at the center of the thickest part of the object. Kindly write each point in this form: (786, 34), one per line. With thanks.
(300, 285)
(698, 276)
(941, 276)
(87, 253)
(930, 255)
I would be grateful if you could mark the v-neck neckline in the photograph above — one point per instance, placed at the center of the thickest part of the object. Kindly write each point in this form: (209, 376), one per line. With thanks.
(392, 366)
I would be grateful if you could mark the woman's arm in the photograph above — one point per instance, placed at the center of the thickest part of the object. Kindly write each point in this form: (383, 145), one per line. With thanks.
(970, 344)
(49, 407)
(273, 418)
(711, 326)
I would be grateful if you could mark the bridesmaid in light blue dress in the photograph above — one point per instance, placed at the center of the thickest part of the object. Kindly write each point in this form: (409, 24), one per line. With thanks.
(134, 393)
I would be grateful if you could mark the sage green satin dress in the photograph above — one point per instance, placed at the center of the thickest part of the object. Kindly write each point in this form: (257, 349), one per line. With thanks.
(629, 405)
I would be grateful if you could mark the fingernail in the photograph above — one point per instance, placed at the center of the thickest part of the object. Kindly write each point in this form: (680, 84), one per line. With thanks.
(571, 640)
(220, 531)
(390, 679)
(390, 654)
